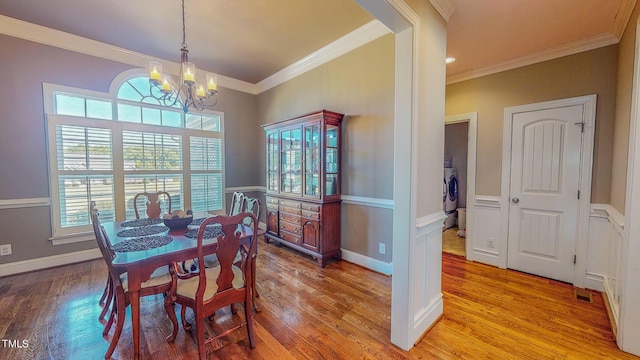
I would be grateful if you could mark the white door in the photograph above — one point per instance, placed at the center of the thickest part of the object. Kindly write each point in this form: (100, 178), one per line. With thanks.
(543, 207)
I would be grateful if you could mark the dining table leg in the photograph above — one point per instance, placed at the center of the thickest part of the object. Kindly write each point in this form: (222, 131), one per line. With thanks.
(135, 322)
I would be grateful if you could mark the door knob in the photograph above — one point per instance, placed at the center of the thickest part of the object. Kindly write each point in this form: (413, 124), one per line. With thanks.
(515, 200)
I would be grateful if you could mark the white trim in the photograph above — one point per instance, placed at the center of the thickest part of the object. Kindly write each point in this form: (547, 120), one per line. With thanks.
(72, 238)
(230, 190)
(487, 201)
(593, 281)
(367, 262)
(629, 329)
(24, 203)
(472, 140)
(615, 217)
(47, 36)
(575, 47)
(355, 39)
(586, 162)
(427, 224)
(622, 17)
(48, 261)
(367, 201)
(399, 17)
(486, 208)
(610, 282)
(445, 8)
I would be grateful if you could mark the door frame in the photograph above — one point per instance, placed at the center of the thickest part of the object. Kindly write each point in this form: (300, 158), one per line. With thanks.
(472, 140)
(584, 183)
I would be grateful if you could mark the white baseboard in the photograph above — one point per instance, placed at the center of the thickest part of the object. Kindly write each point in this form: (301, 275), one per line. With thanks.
(49, 261)
(367, 262)
(594, 282)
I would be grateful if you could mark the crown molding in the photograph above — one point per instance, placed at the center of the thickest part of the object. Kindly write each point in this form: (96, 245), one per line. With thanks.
(60, 39)
(359, 37)
(445, 8)
(575, 47)
(622, 17)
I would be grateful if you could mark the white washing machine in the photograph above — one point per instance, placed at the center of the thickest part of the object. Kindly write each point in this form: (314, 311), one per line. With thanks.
(450, 196)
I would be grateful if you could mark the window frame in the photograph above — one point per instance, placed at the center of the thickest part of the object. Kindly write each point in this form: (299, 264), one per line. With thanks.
(65, 235)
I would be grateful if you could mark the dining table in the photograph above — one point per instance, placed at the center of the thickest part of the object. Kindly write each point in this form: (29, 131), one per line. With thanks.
(140, 264)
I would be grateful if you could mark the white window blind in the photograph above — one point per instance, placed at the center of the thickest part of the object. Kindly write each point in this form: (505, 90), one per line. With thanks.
(206, 177)
(109, 147)
(85, 173)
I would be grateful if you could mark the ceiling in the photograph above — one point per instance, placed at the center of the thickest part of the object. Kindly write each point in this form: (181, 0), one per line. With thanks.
(251, 40)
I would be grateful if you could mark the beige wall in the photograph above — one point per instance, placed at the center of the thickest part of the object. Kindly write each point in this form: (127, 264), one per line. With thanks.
(626, 58)
(590, 72)
(23, 151)
(430, 78)
(360, 85)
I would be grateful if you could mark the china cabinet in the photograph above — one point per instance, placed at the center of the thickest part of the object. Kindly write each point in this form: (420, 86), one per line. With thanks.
(303, 184)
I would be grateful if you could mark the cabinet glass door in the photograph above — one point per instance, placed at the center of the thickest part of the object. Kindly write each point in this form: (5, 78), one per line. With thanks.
(272, 161)
(290, 161)
(331, 161)
(312, 160)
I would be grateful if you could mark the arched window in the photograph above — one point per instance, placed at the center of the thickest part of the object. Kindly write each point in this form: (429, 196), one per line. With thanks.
(107, 147)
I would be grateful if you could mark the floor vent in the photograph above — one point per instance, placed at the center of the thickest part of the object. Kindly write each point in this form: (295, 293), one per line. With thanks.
(582, 294)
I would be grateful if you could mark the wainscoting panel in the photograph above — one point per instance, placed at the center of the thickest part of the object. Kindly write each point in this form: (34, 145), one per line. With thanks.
(427, 255)
(485, 237)
(606, 227)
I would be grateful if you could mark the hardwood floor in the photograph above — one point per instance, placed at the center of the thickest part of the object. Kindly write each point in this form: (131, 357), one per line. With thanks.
(339, 312)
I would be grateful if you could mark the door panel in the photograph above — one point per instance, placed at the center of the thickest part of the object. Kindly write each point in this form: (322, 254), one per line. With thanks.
(545, 170)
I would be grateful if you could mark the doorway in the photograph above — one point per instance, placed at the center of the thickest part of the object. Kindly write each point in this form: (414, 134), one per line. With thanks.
(459, 154)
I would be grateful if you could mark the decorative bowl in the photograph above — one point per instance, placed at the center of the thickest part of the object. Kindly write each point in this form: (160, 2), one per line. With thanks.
(178, 223)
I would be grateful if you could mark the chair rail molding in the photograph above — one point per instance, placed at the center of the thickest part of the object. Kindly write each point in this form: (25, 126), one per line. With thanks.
(24, 203)
(367, 201)
(230, 190)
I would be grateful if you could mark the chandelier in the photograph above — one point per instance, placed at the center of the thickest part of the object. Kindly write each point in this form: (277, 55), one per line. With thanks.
(188, 93)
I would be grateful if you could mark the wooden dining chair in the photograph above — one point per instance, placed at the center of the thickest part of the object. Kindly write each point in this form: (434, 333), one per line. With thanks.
(209, 289)
(107, 293)
(158, 283)
(237, 206)
(252, 205)
(237, 203)
(152, 203)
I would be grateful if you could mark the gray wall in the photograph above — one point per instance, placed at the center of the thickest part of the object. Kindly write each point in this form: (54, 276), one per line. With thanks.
(360, 85)
(23, 152)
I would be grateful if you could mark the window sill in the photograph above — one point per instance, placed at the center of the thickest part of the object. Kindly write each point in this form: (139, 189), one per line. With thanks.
(72, 238)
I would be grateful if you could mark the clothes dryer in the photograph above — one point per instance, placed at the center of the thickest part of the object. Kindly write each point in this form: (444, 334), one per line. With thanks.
(450, 196)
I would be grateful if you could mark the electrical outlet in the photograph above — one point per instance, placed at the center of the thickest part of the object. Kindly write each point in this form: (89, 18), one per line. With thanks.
(490, 242)
(381, 248)
(5, 249)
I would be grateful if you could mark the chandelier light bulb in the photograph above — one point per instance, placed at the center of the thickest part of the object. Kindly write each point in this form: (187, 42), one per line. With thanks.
(189, 75)
(155, 72)
(185, 93)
